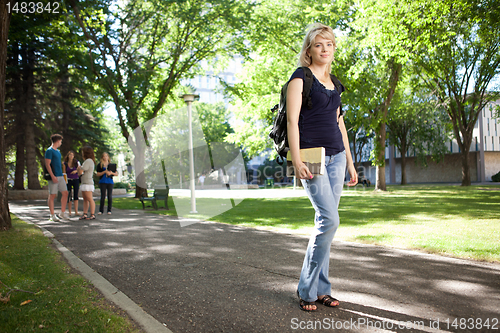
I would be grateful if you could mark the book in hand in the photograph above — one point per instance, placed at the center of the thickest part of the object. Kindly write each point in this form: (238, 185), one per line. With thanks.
(313, 158)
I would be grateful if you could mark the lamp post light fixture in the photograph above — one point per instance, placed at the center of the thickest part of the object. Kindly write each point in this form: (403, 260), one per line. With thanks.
(190, 98)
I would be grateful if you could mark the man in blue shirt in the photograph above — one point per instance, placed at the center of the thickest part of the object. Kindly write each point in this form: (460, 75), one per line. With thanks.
(57, 181)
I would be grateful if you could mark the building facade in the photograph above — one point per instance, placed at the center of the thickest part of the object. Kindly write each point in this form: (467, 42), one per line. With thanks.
(209, 86)
(484, 157)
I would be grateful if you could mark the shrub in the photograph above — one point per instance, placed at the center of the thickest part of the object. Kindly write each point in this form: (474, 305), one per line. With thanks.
(496, 178)
(122, 185)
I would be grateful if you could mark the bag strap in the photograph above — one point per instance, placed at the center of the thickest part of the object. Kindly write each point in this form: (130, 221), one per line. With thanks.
(336, 82)
(340, 88)
(308, 81)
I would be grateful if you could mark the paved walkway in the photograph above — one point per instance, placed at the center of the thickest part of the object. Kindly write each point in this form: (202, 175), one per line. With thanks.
(212, 277)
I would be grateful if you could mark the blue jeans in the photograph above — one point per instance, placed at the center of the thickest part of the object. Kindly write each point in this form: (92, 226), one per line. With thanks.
(324, 192)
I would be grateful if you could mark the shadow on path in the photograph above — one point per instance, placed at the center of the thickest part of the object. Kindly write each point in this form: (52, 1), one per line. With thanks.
(214, 277)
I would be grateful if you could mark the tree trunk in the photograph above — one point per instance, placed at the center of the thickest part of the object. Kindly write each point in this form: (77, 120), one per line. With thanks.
(465, 149)
(403, 160)
(140, 191)
(403, 169)
(380, 183)
(141, 187)
(355, 155)
(5, 221)
(395, 69)
(31, 163)
(465, 169)
(65, 95)
(19, 128)
(20, 163)
(463, 135)
(30, 144)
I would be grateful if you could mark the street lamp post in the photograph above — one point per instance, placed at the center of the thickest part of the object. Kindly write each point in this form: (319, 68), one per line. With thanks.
(190, 98)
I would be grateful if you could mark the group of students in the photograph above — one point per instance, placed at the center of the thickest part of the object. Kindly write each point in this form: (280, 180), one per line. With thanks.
(79, 178)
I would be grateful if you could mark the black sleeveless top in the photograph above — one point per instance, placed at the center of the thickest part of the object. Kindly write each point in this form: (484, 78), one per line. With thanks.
(318, 126)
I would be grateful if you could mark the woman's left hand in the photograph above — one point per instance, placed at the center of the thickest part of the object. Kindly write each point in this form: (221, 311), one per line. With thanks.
(353, 174)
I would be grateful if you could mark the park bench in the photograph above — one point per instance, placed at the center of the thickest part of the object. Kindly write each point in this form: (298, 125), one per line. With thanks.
(160, 193)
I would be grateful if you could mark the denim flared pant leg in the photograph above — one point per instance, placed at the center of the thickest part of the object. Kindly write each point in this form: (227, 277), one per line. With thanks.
(324, 192)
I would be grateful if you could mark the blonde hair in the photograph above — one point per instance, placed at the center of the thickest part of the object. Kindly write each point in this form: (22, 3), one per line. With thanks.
(102, 158)
(314, 30)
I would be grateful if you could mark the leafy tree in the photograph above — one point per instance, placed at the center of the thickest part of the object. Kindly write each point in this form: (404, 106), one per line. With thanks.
(363, 76)
(47, 92)
(114, 140)
(23, 109)
(275, 38)
(384, 42)
(214, 120)
(372, 40)
(458, 52)
(140, 50)
(417, 124)
(168, 143)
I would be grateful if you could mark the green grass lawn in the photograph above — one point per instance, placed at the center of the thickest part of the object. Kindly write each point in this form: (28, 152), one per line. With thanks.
(39, 292)
(457, 221)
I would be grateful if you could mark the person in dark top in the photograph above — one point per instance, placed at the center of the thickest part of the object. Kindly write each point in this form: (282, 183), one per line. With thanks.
(70, 167)
(105, 182)
(321, 126)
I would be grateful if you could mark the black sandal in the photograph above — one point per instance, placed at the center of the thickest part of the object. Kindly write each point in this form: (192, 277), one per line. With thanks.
(92, 217)
(303, 304)
(327, 300)
(83, 217)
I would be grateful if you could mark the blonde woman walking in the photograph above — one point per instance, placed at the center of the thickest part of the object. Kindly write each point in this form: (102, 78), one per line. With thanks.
(321, 125)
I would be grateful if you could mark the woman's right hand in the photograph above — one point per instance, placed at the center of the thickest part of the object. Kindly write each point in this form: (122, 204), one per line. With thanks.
(302, 171)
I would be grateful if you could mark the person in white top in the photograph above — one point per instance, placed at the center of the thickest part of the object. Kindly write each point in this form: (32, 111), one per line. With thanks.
(86, 170)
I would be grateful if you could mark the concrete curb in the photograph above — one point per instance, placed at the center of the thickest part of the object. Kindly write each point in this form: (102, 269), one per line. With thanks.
(148, 323)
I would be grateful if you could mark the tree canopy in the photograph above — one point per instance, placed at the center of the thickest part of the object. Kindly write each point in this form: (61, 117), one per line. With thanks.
(140, 50)
(47, 91)
(452, 46)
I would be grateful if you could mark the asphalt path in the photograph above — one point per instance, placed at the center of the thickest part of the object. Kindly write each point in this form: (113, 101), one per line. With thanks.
(213, 277)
